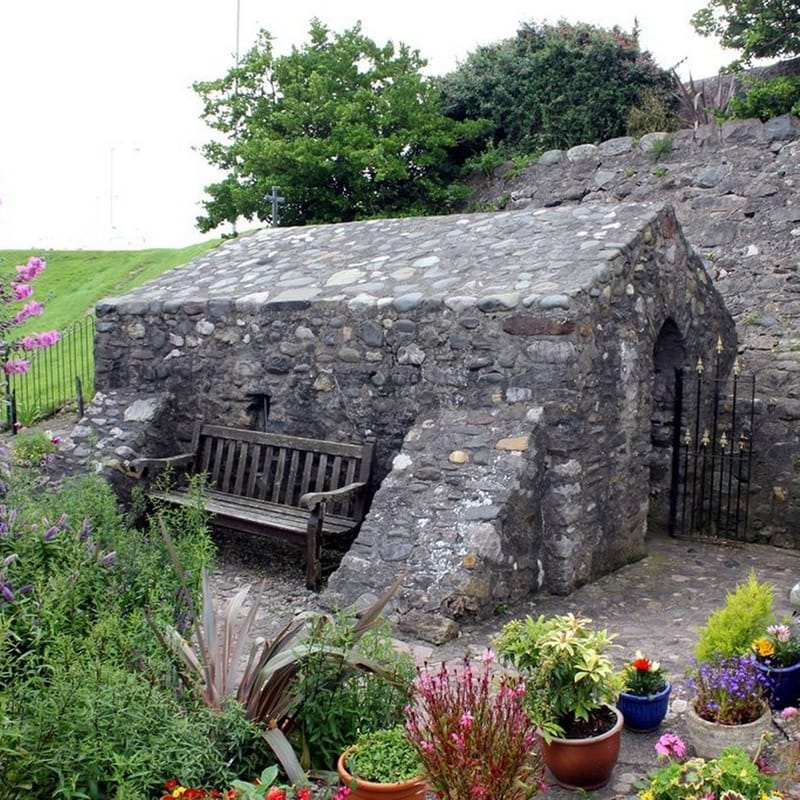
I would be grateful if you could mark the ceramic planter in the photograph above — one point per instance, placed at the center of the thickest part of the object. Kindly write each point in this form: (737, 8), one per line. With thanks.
(414, 789)
(783, 684)
(644, 714)
(584, 763)
(710, 738)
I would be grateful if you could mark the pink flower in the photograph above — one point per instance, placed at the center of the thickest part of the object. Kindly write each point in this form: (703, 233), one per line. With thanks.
(466, 720)
(22, 290)
(789, 712)
(670, 746)
(17, 366)
(781, 632)
(487, 656)
(30, 270)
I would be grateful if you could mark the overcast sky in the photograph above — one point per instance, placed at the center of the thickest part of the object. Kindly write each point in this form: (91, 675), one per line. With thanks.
(100, 121)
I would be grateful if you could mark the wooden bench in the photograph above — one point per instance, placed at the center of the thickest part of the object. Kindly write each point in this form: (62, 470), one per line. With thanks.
(268, 484)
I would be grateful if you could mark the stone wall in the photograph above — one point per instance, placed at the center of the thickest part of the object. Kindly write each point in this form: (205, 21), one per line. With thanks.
(504, 362)
(735, 189)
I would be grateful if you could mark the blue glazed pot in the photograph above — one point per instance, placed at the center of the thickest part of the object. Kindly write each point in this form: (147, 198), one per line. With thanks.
(783, 684)
(644, 714)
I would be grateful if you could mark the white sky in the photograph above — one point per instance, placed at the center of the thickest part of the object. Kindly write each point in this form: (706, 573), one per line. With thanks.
(99, 118)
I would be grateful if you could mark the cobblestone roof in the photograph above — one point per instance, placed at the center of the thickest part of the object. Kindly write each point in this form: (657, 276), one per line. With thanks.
(493, 260)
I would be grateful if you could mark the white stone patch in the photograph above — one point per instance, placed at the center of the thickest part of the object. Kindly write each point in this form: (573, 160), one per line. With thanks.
(401, 462)
(172, 354)
(569, 468)
(402, 274)
(534, 414)
(141, 410)
(345, 277)
(752, 250)
(362, 301)
(204, 327)
(424, 263)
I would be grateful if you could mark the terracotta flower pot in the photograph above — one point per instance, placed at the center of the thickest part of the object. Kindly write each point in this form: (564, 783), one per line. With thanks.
(709, 739)
(413, 789)
(584, 763)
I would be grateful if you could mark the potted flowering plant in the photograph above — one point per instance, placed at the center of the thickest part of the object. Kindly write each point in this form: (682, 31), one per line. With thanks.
(732, 776)
(471, 732)
(644, 698)
(778, 656)
(729, 705)
(570, 686)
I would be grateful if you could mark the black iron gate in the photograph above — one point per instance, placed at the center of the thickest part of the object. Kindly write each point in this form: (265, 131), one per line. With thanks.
(712, 452)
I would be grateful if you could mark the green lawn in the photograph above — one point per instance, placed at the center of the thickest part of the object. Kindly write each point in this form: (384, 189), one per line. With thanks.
(76, 279)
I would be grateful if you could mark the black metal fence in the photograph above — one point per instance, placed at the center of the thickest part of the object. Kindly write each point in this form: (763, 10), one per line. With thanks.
(712, 453)
(60, 377)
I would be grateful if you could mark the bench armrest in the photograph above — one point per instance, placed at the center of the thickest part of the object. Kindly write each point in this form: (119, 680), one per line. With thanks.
(313, 499)
(163, 463)
(138, 466)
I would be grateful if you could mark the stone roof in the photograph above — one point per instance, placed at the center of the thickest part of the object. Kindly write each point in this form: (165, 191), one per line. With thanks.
(500, 259)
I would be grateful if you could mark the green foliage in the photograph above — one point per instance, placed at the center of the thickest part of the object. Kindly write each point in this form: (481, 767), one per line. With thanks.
(347, 129)
(566, 667)
(334, 708)
(31, 448)
(654, 112)
(92, 728)
(764, 99)
(383, 756)
(555, 86)
(733, 771)
(759, 28)
(89, 704)
(661, 147)
(730, 630)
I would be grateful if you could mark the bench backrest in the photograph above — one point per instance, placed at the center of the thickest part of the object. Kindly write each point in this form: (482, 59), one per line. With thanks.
(280, 469)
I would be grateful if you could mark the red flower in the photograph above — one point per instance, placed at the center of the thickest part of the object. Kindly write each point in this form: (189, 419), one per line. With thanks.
(641, 664)
(171, 784)
(304, 793)
(274, 793)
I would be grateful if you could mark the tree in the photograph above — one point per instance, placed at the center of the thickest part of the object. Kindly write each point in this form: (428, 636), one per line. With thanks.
(554, 86)
(347, 129)
(759, 28)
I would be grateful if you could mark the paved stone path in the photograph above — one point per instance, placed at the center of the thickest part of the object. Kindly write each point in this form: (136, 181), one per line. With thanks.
(655, 605)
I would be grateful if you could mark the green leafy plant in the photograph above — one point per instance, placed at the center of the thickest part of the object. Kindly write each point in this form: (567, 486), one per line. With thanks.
(731, 629)
(268, 686)
(732, 776)
(337, 707)
(764, 99)
(654, 112)
(383, 756)
(568, 672)
(661, 147)
(266, 787)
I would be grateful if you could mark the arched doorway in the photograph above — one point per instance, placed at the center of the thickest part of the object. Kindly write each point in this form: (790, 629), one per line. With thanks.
(669, 355)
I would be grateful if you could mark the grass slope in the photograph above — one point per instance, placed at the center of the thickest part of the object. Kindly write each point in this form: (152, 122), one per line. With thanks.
(75, 280)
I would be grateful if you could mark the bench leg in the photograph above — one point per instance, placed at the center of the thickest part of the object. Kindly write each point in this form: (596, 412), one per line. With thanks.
(314, 547)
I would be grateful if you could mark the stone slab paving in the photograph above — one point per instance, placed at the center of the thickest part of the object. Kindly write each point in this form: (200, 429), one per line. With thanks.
(655, 605)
